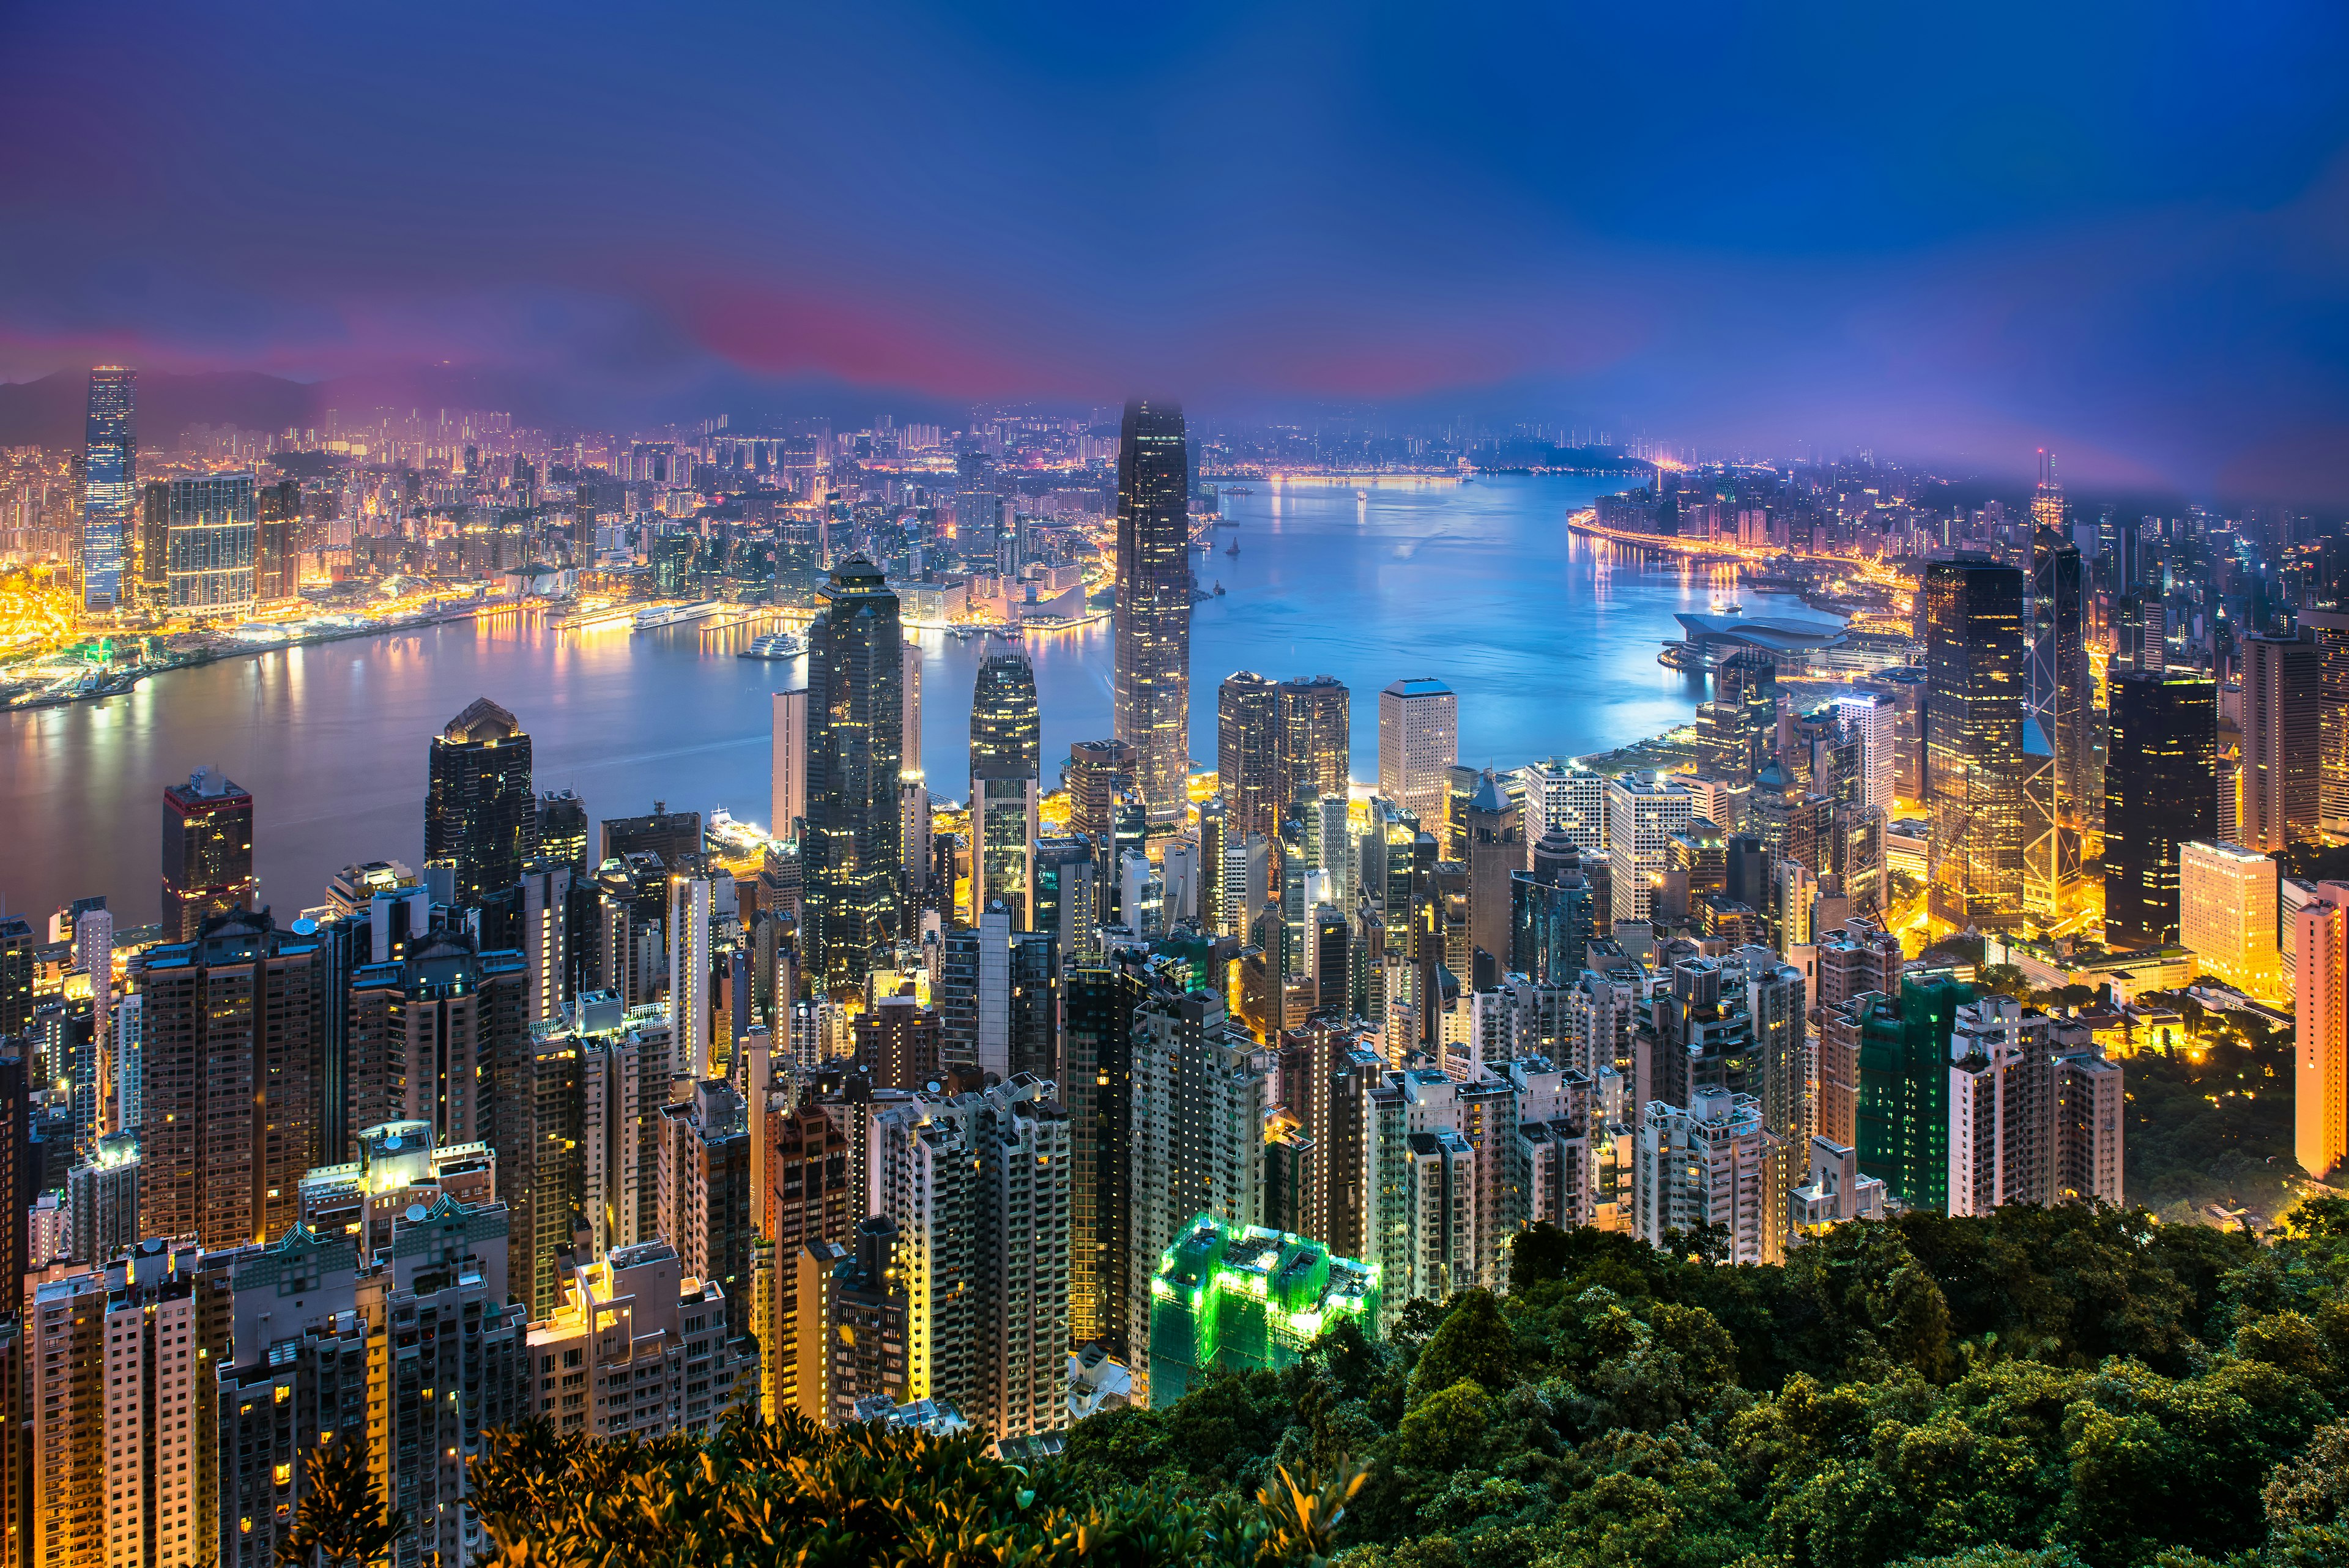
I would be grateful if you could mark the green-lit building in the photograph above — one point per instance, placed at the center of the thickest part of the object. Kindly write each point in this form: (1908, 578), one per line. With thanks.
(1246, 1299)
(1903, 1119)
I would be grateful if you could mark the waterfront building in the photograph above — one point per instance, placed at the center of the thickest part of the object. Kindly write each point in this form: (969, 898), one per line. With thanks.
(1974, 710)
(2227, 913)
(1737, 727)
(1152, 619)
(1564, 796)
(1419, 744)
(1247, 1299)
(852, 851)
(207, 856)
(788, 803)
(1316, 738)
(212, 546)
(2158, 793)
(561, 834)
(110, 488)
(2279, 725)
(234, 1025)
(1005, 794)
(2320, 1032)
(2032, 1119)
(479, 809)
(672, 837)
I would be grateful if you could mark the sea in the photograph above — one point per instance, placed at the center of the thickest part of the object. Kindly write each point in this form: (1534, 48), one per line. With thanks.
(1550, 641)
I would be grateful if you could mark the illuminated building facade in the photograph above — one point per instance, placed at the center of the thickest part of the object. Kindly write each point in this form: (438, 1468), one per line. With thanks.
(1247, 1299)
(2158, 793)
(212, 547)
(1005, 795)
(1154, 605)
(1974, 708)
(479, 809)
(207, 852)
(110, 488)
(1418, 742)
(851, 850)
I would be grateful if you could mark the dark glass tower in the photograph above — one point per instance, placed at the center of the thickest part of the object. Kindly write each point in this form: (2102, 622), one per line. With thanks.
(1004, 793)
(2062, 695)
(852, 851)
(1247, 753)
(1738, 729)
(1976, 688)
(2159, 792)
(479, 810)
(207, 852)
(109, 487)
(1154, 605)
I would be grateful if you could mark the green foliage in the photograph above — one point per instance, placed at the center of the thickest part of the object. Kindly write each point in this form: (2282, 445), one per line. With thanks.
(340, 1521)
(2216, 1130)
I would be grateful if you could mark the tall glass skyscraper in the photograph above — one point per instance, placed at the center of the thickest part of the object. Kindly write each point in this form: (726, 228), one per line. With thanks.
(1004, 792)
(1976, 690)
(109, 485)
(1154, 605)
(851, 847)
(2159, 792)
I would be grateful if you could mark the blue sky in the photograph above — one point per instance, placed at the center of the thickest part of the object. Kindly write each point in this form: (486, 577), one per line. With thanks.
(1953, 231)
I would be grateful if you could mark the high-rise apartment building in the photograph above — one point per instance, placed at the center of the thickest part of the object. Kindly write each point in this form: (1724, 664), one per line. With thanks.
(705, 1204)
(1903, 1115)
(1005, 794)
(1419, 744)
(1154, 605)
(2279, 766)
(2158, 793)
(207, 852)
(234, 1027)
(212, 546)
(1974, 707)
(788, 804)
(2033, 1118)
(110, 488)
(2320, 1033)
(692, 1022)
(851, 850)
(1706, 1164)
(478, 807)
(639, 1349)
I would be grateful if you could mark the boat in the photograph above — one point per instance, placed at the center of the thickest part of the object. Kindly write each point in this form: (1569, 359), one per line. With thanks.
(1235, 549)
(1219, 588)
(781, 645)
(1236, 490)
(1361, 495)
(677, 615)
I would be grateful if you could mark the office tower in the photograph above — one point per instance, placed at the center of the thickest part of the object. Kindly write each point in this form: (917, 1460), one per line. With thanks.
(1903, 1116)
(207, 852)
(1643, 812)
(2063, 695)
(119, 1400)
(911, 753)
(560, 835)
(1246, 1298)
(2227, 913)
(1003, 790)
(1496, 851)
(851, 850)
(704, 1205)
(1706, 1164)
(2279, 767)
(692, 1023)
(110, 488)
(2320, 1033)
(151, 588)
(1737, 728)
(1201, 1088)
(277, 532)
(1550, 913)
(674, 836)
(2140, 633)
(479, 810)
(1873, 718)
(1974, 703)
(1418, 742)
(2330, 628)
(212, 547)
(1248, 763)
(789, 801)
(1153, 606)
(323, 1358)
(234, 1022)
(2032, 1118)
(1098, 775)
(1564, 796)
(1905, 686)
(1315, 737)
(2157, 795)
(1065, 898)
(1209, 874)
(859, 1311)
(1101, 994)
(93, 954)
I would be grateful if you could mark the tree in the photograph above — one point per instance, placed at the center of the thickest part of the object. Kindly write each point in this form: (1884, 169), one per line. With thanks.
(340, 1521)
(1475, 1345)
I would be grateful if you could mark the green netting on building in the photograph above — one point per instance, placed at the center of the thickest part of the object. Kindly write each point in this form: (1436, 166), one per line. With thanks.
(1246, 1299)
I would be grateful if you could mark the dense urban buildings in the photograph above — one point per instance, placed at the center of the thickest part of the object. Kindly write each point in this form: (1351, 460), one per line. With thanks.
(1154, 604)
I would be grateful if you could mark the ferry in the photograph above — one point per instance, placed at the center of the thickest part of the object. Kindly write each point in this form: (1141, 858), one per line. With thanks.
(781, 645)
(677, 615)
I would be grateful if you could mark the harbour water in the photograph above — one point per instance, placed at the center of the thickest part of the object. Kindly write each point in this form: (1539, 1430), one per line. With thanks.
(1550, 641)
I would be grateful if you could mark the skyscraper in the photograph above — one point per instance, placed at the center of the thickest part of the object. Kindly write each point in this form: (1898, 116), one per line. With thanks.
(1154, 605)
(212, 547)
(789, 776)
(479, 809)
(109, 487)
(1247, 753)
(234, 1025)
(1004, 793)
(1316, 733)
(1738, 728)
(851, 851)
(1419, 741)
(2321, 1035)
(1496, 851)
(2158, 794)
(1973, 738)
(2063, 698)
(207, 852)
(2279, 742)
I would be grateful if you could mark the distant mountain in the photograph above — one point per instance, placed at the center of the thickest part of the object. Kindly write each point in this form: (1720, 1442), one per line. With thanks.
(50, 411)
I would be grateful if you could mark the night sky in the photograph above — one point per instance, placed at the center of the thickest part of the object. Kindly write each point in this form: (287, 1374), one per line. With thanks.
(1963, 231)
